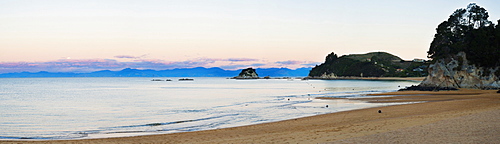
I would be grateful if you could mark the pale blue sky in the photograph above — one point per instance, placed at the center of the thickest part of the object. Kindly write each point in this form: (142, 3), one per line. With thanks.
(213, 33)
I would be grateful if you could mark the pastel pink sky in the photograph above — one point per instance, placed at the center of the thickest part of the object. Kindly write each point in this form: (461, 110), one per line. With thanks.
(80, 36)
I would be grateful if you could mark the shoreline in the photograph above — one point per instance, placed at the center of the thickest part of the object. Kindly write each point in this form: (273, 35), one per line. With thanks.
(355, 125)
(340, 78)
(370, 78)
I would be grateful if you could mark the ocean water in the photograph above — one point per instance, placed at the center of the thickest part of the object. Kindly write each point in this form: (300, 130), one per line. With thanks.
(76, 108)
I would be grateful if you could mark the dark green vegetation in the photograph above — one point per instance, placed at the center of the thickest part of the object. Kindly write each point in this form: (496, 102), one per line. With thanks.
(468, 30)
(374, 64)
(248, 73)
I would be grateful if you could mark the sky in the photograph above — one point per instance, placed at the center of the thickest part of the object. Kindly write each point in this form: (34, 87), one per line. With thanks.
(91, 35)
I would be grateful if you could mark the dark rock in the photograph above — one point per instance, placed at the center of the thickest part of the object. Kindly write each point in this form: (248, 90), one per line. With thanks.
(248, 73)
(423, 88)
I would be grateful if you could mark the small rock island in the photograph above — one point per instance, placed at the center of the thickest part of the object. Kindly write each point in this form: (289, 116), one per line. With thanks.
(248, 73)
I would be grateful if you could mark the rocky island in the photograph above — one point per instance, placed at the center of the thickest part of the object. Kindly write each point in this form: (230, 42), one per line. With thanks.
(248, 73)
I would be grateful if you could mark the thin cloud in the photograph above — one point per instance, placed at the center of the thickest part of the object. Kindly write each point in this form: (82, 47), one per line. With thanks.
(161, 64)
(302, 63)
(126, 56)
(63, 65)
(130, 57)
(258, 64)
(289, 62)
(311, 64)
(241, 59)
(241, 66)
(228, 59)
(90, 65)
(233, 67)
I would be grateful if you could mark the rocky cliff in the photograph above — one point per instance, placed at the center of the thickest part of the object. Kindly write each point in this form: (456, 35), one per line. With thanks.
(457, 72)
(248, 73)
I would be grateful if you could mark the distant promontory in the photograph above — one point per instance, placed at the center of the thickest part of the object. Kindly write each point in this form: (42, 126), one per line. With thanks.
(373, 64)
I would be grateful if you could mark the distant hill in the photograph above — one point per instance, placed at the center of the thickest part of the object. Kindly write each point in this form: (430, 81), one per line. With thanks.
(378, 55)
(373, 64)
(184, 72)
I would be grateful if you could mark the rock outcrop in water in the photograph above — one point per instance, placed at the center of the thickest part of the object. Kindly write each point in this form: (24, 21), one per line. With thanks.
(248, 73)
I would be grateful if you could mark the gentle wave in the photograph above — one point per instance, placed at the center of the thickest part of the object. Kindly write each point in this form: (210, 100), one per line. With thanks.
(79, 108)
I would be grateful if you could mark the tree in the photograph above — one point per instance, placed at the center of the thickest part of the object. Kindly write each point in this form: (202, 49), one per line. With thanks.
(331, 57)
(478, 16)
(450, 37)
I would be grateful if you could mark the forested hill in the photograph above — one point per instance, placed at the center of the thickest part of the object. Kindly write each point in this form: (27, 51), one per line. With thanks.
(374, 64)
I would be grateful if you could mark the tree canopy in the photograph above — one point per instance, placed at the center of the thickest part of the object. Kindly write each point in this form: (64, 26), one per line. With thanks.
(468, 30)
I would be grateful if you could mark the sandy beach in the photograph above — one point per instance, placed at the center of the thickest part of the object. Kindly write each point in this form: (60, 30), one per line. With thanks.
(464, 116)
(394, 78)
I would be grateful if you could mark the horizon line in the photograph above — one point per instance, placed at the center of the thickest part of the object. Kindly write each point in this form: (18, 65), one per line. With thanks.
(76, 72)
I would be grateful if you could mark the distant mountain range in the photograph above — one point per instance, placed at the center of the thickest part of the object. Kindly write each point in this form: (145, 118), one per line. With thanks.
(184, 72)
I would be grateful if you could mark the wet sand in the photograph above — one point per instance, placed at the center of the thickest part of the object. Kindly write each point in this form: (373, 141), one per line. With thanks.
(394, 78)
(374, 78)
(465, 116)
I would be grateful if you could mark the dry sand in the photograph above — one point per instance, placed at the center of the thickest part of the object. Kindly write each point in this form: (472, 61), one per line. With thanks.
(465, 116)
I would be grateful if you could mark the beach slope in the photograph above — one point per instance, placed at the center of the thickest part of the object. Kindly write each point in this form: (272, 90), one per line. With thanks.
(465, 116)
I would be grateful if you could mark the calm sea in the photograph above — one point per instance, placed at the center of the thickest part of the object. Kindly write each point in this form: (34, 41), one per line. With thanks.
(75, 108)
